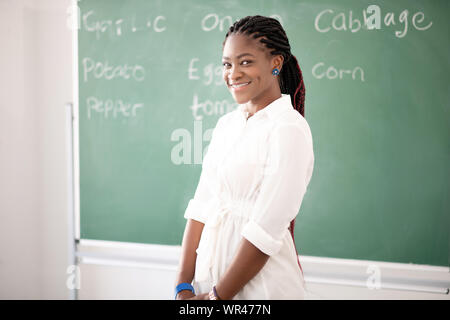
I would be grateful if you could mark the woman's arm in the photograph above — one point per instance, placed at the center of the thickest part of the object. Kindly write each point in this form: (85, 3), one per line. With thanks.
(247, 262)
(186, 268)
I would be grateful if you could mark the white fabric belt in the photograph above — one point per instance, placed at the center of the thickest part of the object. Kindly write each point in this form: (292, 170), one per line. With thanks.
(216, 210)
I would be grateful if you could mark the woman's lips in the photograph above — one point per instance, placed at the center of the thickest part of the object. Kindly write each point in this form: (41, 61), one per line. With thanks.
(239, 86)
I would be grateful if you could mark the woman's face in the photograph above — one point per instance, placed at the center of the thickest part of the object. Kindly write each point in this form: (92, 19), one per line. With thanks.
(247, 69)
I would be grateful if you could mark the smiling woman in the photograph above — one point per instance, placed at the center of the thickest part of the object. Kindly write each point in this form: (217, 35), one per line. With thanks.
(247, 75)
(238, 242)
(257, 59)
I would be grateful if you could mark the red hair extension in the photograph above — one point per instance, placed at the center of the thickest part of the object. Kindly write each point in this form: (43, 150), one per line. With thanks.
(291, 229)
(300, 103)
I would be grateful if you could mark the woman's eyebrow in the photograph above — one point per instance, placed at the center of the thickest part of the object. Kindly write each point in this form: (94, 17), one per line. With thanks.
(239, 56)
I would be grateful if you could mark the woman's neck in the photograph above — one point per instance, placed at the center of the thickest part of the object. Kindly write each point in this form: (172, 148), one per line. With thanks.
(263, 101)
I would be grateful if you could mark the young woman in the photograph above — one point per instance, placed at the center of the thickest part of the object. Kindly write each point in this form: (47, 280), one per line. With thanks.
(238, 242)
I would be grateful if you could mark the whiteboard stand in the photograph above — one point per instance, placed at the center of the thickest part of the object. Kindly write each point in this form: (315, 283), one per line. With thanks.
(73, 279)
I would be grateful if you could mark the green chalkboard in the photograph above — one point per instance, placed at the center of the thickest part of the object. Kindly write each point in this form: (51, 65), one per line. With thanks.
(377, 102)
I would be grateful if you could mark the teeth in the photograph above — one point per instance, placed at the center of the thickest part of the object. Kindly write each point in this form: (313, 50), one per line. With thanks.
(239, 85)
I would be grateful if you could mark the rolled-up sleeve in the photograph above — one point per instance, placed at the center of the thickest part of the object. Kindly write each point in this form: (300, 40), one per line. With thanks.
(283, 187)
(196, 208)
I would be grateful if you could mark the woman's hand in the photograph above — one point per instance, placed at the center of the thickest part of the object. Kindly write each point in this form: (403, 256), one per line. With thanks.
(202, 296)
(185, 295)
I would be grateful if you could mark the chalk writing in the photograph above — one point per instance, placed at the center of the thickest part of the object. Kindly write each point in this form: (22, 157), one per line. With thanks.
(212, 73)
(319, 71)
(102, 69)
(327, 20)
(110, 108)
(213, 21)
(115, 28)
(210, 108)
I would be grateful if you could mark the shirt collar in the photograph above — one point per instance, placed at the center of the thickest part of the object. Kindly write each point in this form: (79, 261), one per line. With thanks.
(272, 110)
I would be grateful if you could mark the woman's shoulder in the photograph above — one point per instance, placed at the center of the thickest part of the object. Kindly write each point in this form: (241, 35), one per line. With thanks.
(293, 119)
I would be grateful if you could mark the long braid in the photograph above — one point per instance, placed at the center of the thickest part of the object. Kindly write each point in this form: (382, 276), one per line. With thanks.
(273, 36)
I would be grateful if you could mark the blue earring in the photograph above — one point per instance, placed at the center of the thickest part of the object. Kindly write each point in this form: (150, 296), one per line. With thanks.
(275, 72)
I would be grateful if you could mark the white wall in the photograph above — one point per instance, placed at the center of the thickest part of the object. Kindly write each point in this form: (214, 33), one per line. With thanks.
(36, 81)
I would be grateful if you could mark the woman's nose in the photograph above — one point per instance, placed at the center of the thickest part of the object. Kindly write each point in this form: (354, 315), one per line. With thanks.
(234, 73)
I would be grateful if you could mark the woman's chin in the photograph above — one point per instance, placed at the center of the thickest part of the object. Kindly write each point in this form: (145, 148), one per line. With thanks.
(240, 99)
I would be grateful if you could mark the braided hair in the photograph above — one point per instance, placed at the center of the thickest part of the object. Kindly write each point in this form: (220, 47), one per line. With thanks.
(273, 36)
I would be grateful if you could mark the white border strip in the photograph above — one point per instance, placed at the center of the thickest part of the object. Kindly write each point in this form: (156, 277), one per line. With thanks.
(383, 285)
(393, 276)
(124, 263)
(76, 127)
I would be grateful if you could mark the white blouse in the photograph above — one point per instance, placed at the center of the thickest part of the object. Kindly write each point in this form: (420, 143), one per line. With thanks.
(254, 176)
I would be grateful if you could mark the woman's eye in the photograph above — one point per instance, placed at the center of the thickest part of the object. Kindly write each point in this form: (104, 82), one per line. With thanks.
(244, 63)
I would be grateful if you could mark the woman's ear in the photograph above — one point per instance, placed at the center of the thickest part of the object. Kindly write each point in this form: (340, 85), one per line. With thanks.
(277, 62)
